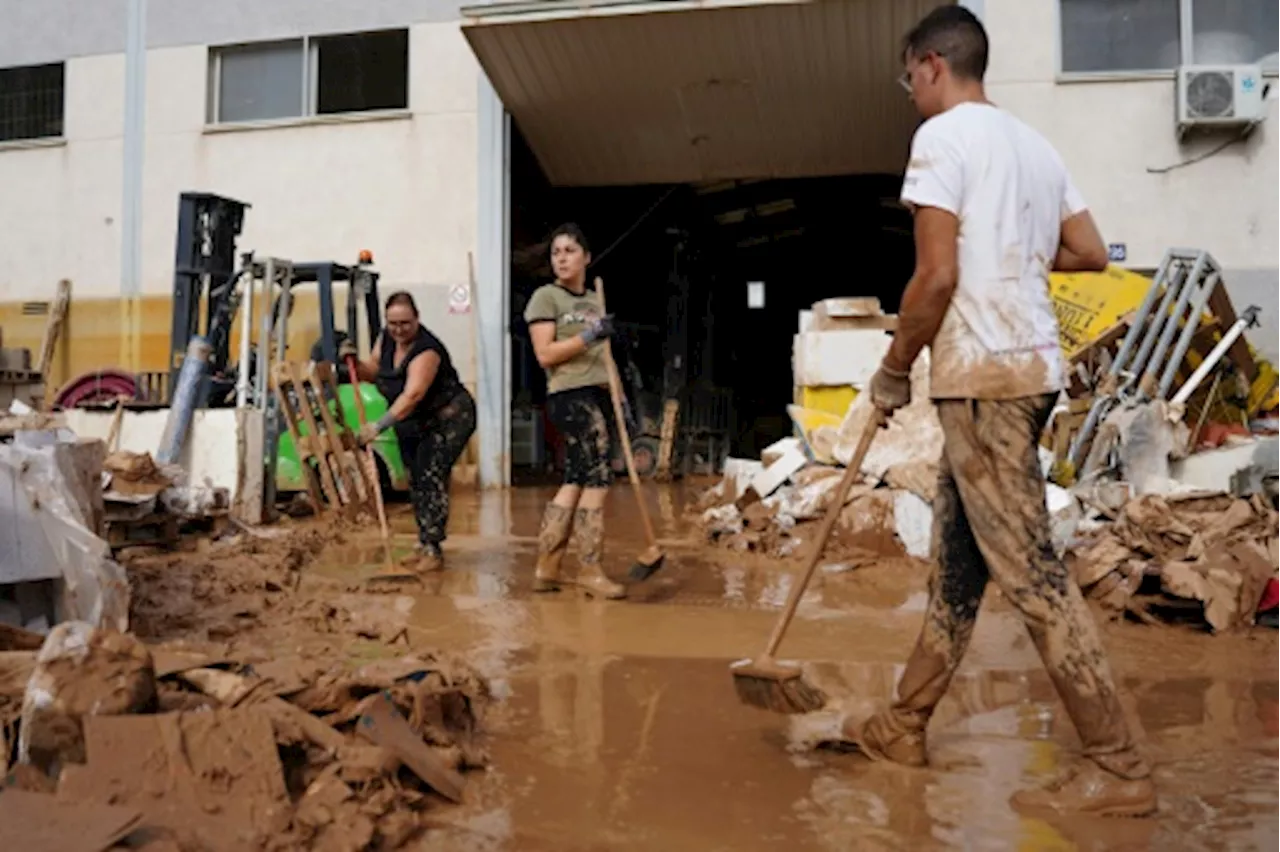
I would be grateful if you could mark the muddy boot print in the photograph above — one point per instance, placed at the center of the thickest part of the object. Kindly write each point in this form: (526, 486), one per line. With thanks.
(588, 534)
(553, 541)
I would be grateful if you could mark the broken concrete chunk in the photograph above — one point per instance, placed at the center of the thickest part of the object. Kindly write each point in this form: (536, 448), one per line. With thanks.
(80, 671)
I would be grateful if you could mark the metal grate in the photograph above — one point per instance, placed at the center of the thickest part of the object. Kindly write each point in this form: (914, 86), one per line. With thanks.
(31, 102)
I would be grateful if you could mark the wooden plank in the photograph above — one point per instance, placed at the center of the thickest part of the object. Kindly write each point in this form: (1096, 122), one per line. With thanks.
(348, 484)
(280, 383)
(304, 408)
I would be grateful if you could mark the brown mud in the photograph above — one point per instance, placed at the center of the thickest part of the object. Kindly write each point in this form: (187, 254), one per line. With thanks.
(615, 724)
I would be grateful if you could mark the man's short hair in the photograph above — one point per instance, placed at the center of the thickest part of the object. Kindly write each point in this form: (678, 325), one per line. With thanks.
(955, 34)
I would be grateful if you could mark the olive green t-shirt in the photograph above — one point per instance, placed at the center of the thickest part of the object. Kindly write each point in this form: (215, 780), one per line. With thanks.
(570, 313)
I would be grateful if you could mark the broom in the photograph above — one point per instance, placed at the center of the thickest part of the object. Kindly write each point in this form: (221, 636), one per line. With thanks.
(648, 562)
(765, 682)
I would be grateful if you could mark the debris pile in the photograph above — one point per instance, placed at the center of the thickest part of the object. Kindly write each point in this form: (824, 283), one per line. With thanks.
(214, 753)
(1212, 554)
(1162, 456)
(766, 506)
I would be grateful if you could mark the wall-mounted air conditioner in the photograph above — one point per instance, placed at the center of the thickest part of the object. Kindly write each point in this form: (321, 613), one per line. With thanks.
(1220, 96)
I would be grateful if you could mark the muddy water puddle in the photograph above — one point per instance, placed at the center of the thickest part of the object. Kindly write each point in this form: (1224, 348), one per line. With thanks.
(617, 726)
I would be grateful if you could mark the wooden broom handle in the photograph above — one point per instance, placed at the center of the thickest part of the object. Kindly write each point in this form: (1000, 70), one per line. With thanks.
(615, 394)
(851, 473)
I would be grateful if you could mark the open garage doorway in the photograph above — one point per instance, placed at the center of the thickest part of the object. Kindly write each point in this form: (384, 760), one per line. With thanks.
(731, 164)
(707, 282)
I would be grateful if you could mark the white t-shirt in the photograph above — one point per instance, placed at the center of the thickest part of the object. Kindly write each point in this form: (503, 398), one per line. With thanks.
(1011, 192)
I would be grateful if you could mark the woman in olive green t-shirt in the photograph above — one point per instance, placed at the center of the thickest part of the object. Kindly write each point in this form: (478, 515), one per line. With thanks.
(570, 333)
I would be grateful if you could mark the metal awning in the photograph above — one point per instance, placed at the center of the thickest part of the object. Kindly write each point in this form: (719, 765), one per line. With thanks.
(611, 92)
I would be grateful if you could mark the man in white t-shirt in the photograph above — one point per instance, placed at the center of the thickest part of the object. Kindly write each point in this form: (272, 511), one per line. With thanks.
(995, 211)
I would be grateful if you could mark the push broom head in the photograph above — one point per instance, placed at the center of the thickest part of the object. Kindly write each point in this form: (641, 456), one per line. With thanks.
(776, 687)
(646, 565)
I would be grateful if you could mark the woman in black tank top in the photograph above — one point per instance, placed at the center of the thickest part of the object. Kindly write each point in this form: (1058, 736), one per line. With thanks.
(432, 413)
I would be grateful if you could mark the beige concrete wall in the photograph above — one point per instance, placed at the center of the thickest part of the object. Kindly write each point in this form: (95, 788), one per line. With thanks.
(1112, 132)
(403, 185)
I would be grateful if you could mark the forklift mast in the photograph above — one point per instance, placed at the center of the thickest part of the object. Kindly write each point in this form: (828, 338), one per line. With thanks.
(204, 271)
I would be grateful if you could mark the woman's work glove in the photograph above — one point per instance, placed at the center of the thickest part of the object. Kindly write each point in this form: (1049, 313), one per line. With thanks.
(347, 348)
(370, 431)
(890, 389)
(598, 329)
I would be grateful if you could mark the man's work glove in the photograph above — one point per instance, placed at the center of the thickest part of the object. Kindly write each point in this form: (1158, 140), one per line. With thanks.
(598, 329)
(890, 389)
(347, 348)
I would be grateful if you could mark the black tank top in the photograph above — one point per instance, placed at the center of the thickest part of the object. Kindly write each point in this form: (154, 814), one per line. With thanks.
(391, 379)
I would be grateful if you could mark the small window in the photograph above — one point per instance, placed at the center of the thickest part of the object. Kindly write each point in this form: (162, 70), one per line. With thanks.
(261, 81)
(31, 102)
(361, 72)
(1231, 32)
(322, 75)
(1119, 35)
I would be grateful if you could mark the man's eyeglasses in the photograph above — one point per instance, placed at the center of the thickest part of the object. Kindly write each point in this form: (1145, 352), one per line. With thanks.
(905, 81)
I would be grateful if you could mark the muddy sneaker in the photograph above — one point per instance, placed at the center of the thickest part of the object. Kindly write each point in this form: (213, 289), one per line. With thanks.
(1090, 789)
(882, 737)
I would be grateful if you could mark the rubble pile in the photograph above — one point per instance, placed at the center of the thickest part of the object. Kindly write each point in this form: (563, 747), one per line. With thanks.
(1211, 553)
(1161, 501)
(211, 752)
(767, 507)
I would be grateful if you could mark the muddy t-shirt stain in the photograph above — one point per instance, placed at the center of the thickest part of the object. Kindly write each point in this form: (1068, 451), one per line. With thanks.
(1010, 192)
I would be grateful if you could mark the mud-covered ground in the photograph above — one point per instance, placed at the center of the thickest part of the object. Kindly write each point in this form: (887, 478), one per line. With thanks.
(616, 726)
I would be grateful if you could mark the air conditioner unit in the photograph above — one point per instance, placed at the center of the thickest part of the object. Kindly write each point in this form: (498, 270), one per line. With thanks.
(1226, 96)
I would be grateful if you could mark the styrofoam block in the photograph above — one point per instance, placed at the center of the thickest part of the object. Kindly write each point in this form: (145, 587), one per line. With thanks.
(739, 473)
(838, 357)
(806, 321)
(772, 477)
(913, 522)
(778, 449)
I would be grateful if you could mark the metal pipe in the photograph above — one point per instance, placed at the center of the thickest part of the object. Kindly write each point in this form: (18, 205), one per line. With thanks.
(1247, 319)
(1180, 281)
(1156, 362)
(184, 399)
(1138, 330)
(264, 333)
(1140, 318)
(246, 340)
(1189, 329)
(135, 84)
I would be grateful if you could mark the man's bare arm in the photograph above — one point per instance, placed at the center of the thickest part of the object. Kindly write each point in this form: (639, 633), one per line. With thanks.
(928, 293)
(1081, 248)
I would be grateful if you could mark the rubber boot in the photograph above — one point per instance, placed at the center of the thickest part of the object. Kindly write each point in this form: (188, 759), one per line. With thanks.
(1090, 789)
(885, 737)
(588, 533)
(424, 559)
(553, 541)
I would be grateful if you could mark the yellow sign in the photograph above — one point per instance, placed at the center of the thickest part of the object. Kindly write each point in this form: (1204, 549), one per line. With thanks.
(1089, 303)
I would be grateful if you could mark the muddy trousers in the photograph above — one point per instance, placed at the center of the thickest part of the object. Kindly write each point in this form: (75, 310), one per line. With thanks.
(429, 449)
(990, 523)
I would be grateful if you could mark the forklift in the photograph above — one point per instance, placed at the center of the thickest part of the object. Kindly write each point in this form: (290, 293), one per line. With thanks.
(209, 291)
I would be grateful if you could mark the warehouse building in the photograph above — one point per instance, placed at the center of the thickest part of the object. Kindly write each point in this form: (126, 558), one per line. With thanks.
(732, 161)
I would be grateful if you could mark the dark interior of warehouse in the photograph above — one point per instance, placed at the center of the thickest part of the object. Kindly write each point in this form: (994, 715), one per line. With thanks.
(677, 261)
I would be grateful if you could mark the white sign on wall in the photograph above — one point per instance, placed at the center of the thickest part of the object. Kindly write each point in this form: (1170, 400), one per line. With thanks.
(460, 299)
